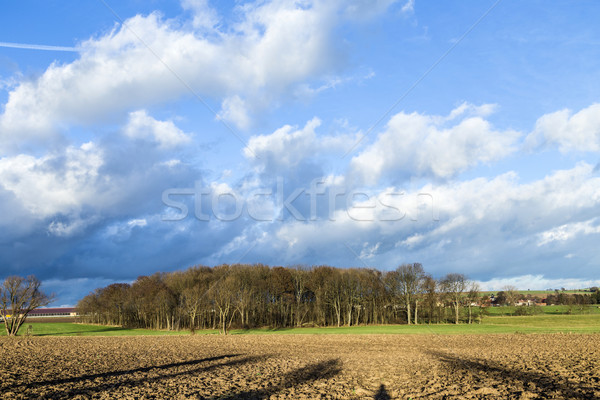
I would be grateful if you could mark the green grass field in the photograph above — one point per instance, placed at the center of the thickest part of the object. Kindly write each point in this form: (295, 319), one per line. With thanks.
(552, 321)
(589, 323)
(72, 329)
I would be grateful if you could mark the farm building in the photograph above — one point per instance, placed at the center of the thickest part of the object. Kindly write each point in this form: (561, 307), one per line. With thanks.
(54, 312)
(50, 312)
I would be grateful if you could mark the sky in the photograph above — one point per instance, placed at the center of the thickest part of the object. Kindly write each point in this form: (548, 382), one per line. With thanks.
(145, 136)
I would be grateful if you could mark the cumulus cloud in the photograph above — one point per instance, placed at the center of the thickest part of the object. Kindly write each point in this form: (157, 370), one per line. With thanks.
(569, 131)
(69, 190)
(466, 226)
(288, 146)
(235, 109)
(204, 17)
(439, 223)
(165, 133)
(569, 231)
(150, 60)
(433, 146)
(285, 147)
(55, 183)
(504, 209)
(97, 205)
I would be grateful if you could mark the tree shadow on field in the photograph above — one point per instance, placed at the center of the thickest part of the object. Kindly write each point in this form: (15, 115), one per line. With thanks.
(82, 333)
(132, 379)
(280, 329)
(310, 373)
(532, 381)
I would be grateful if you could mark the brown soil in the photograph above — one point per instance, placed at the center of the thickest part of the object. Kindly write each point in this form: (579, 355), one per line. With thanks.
(301, 367)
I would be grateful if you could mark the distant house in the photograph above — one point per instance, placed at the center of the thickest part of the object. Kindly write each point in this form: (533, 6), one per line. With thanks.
(525, 302)
(541, 302)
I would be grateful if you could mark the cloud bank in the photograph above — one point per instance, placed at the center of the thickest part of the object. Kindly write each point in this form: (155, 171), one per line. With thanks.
(89, 147)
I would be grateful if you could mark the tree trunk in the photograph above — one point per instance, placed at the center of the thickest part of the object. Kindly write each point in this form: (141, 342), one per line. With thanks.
(470, 313)
(456, 305)
(416, 312)
(338, 311)
(223, 321)
(408, 310)
(349, 308)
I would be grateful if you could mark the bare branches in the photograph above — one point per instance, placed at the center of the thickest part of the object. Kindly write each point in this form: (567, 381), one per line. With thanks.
(454, 285)
(18, 297)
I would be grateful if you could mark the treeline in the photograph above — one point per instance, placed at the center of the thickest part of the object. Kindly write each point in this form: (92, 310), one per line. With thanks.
(247, 296)
(511, 296)
(568, 299)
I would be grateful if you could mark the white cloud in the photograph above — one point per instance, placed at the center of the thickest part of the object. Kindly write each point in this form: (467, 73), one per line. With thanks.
(54, 184)
(568, 231)
(289, 146)
(70, 228)
(64, 192)
(570, 132)
(140, 222)
(123, 230)
(421, 145)
(115, 73)
(165, 133)
(471, 110)
(171, 163)
(285, 147)
(205, 17)
(488, 205)
(480, 220)
(235, 109)
(305, 90)
(368, 252)
(409, 6)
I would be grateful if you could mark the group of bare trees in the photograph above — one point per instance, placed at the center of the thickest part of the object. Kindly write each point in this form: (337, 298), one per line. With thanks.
(245, 296)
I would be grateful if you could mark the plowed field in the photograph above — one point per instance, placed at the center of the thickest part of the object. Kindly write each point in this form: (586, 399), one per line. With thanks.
(302, 367)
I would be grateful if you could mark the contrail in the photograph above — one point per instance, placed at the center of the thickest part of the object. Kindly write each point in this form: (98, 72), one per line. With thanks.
(38, 47)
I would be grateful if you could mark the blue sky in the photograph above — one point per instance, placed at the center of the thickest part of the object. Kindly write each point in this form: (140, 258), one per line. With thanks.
(462, 135)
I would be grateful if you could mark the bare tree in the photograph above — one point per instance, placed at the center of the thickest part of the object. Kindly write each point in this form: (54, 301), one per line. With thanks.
(221, 294)
(335, 294)
(410, 278)
(511, 293)
(454, 285)
(18, 297)
(192, 301)
(473, 299)
(300, 276)
(431, 298)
